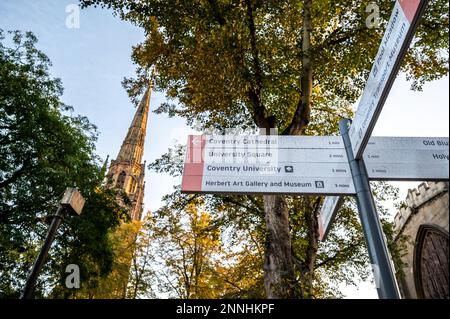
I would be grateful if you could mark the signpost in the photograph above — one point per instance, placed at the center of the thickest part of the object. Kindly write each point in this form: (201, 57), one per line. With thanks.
(306, 165)
(407, 158)
(330, 165)
(399, 33)
(397, 159)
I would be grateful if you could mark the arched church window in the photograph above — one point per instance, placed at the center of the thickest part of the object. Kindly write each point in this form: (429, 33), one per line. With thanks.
(121, 179)
(431, 262)
(132, 186)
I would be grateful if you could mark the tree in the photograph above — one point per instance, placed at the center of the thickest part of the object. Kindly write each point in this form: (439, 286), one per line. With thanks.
(141, 279)
(266, 64)
(341, 259)
(114, 283)
(43, 150)
(186, 246)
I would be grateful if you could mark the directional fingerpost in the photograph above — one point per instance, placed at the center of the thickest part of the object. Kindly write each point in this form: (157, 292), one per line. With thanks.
(330, 165)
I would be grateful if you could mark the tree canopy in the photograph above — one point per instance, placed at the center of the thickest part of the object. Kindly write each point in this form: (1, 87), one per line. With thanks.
(295, 65)
(44, 148)
(252, 62)
(240, 221)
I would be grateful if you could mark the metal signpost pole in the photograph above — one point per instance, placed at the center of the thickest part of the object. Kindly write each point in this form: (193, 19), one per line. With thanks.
(378, 253)
(32, 278)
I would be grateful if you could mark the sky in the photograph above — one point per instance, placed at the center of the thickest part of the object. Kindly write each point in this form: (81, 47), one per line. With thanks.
(93, 57)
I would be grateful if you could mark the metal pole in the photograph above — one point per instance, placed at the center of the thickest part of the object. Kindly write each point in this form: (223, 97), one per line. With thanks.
(32, 278)
(378, 253)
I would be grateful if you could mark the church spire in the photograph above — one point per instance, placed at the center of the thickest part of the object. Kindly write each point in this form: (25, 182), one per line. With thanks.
(133, 146)
(127, 172)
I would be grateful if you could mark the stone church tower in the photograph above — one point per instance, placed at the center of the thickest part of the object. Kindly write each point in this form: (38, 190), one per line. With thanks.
(424, 224)
(127, 171)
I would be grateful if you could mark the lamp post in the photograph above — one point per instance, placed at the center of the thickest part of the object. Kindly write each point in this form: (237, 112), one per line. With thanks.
(72, 203)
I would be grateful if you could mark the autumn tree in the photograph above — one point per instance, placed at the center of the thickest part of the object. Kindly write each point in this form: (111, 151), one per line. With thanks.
(113, 284)
(141, 278)
(241, 220)
(186, 245)
(272, 64)
(197, 255)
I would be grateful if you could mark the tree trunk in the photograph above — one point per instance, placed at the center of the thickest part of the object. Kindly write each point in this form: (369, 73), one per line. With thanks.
(311, 215)
(279, 278)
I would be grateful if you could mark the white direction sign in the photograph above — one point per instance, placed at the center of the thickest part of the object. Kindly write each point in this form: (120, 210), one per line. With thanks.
(267, 165)
(304, 164)
(408, 171)
(278, 170)
(395, 43)
(268, 185)
(408, 143)
(267, 141)
(327, 214)
(275, 155)
(396, 158)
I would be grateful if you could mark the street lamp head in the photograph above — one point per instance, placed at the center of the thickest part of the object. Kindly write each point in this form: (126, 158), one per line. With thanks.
(72, 201)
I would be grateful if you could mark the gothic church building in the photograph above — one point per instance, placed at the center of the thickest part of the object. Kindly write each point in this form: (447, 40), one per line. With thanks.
(127, 171)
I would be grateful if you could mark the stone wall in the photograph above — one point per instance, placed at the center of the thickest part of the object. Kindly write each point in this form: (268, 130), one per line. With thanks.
(428, 204)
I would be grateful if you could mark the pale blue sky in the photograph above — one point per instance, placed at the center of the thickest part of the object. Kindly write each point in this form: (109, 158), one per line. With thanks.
(92, 61)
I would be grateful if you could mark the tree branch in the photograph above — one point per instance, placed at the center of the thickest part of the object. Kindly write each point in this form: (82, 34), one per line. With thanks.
(16, 175)
(338, 37)
(232, 201)
(302, 113)
(254, 93)
(301, 267)
(340, 253)
(225, 278)
(216, 12)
